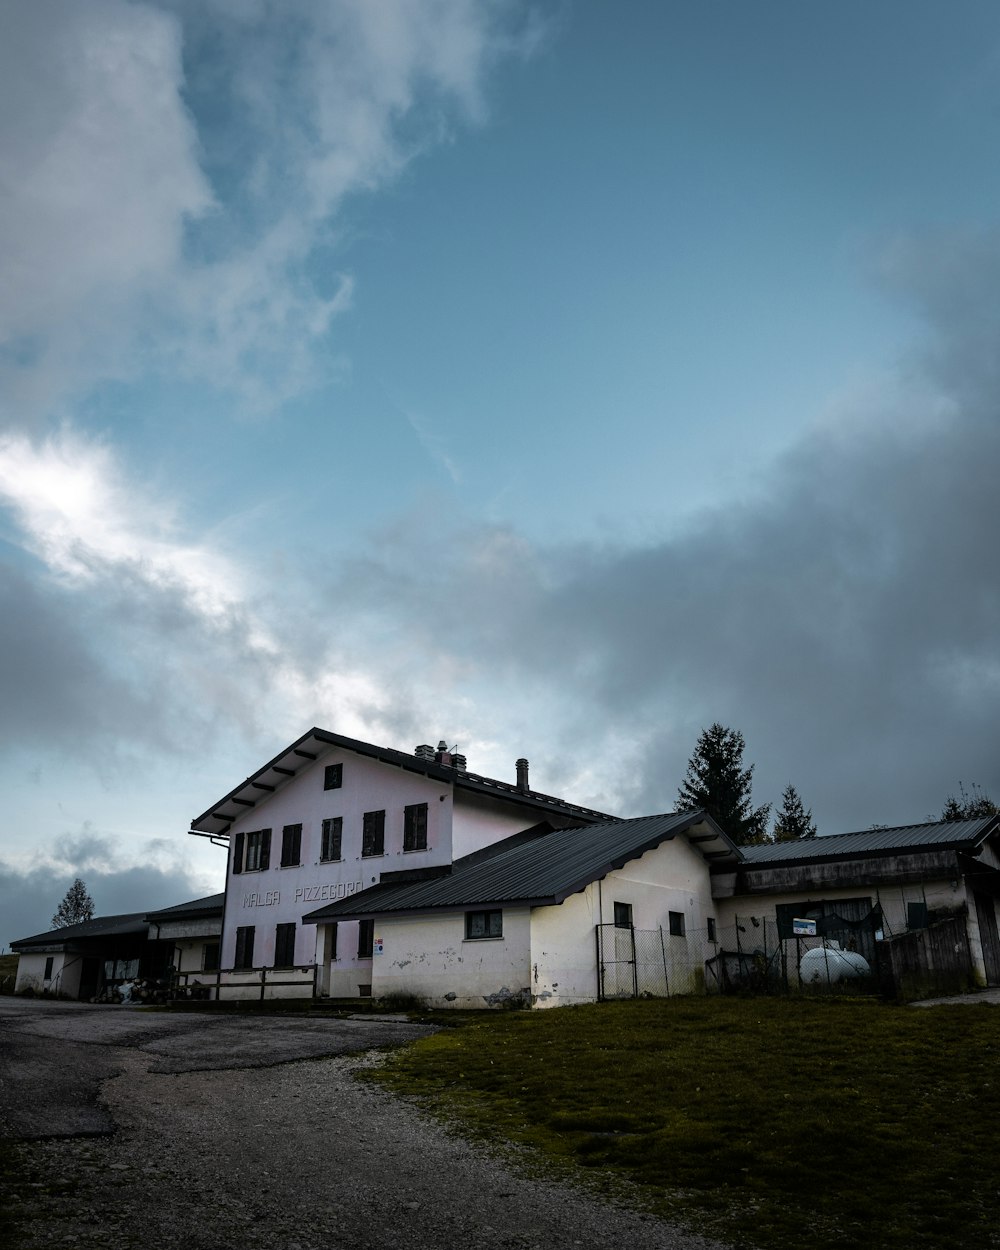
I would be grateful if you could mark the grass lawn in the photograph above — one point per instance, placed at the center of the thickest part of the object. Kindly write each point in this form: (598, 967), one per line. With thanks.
(764, 1122)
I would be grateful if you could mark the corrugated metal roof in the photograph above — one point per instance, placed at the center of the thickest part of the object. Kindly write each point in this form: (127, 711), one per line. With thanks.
(306, 750)
(100, 926)
(954, 834)
(197, 907)
(546, 869)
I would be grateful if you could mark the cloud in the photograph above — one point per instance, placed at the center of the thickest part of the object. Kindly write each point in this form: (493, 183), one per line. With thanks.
(845, 617)
(29, 895)
(171, 177)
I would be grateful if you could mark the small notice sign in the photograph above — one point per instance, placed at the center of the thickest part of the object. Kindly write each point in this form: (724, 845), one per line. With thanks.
(378, 947)
(804, 928)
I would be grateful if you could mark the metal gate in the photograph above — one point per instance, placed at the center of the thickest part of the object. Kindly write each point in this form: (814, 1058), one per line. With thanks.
(633, 963)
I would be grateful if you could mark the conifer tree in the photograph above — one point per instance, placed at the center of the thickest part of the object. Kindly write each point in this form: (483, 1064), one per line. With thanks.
(970, 806)
(75, 907)
(794, 821)
(717, 781)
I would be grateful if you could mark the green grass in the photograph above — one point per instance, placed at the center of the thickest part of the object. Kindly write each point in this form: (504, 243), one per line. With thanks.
(764, 1122)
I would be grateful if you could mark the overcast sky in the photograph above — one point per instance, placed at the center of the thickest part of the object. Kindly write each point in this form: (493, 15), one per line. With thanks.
(554, 379)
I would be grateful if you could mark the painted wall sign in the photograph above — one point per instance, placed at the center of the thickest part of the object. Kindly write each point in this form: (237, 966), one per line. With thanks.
(325, 893)
(265, 898)
(804, 928)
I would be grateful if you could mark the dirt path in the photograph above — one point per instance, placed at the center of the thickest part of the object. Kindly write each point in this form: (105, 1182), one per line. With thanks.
(298, 1156)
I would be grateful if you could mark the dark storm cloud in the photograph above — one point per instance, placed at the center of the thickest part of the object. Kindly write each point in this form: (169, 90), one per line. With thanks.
(29, 897)
(846, 617)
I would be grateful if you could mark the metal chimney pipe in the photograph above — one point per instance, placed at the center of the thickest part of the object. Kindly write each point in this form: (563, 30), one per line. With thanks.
(522, 775)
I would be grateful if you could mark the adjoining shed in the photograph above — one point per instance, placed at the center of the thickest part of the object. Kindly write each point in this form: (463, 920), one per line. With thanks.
(546, 918)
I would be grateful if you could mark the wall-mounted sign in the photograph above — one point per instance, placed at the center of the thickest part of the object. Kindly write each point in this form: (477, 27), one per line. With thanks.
(377, 946)
(804, 928)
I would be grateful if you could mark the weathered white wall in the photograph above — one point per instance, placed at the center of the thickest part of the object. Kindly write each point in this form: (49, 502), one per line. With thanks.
(672, 877)
(65, 978)
(430, 957)
(480, 821)
(282, 895)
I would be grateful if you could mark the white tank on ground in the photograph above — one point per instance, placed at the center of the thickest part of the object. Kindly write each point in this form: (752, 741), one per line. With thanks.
(829, 964)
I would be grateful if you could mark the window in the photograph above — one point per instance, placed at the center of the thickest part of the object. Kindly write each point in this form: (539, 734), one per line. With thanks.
(333, 940)
(711, 929)
(333, 830)
(333, 776)
(676, 919)
(252, 851)
(415, 827)
(210, 957)
(47, 974)
(244, 947)
(284, 945)
(623, 915)
(373, 834)
(366, 939)
(291, 846)
(483, 924)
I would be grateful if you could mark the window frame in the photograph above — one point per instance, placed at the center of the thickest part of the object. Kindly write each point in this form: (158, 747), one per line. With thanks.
(291, 846)
(333, 776)
(243, 955)
(373, 834)
(623, 915)
(210, 963)
(366, 938)
(415, 827)
(487, 914)
(284, 945)
(253, 851)
(332, 829)
(676, 923)
(712, 931)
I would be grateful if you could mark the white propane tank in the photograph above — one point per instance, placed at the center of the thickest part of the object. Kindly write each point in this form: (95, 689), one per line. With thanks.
(829, 964)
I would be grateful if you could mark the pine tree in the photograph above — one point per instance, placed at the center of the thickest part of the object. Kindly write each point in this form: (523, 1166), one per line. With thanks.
(794, 821)
(75, 907)
(970, 806)
(717, 781)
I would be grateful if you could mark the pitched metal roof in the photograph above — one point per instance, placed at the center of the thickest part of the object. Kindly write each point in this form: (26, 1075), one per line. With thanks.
(306, 750)
(99, 927)
(543, 870)
(956, 834)
(197, 908)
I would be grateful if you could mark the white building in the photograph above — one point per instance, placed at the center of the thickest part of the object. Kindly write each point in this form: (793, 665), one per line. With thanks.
(331, 816)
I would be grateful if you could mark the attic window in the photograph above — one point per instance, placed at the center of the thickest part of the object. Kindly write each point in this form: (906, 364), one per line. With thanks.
(333, 776)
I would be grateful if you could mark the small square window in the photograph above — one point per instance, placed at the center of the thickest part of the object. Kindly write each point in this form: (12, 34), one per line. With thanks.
(333, 831)
(623, 915)
(676, 923)
(333, 776)
(483, 924)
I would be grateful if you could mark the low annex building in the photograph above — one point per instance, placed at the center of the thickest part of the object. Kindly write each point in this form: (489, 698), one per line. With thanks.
(88, 959)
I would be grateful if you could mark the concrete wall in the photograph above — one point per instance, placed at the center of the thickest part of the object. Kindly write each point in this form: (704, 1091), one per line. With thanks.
(430, 958)
(481, 820)
(672, 877)
(65, 978)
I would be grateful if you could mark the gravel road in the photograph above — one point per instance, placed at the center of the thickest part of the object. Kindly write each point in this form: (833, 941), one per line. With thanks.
(216, 1133)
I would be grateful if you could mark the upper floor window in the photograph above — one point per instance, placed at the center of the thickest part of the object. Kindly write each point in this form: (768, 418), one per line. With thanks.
(291, 846)
(373, 834)
(415, 827)
(333, 831)
(333, 776)
(252, 851)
